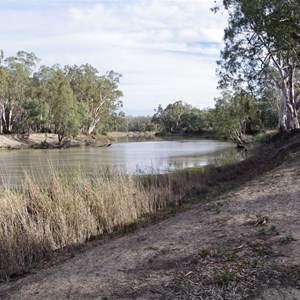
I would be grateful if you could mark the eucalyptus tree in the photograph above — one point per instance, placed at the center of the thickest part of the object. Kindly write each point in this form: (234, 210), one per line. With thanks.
(44, 89)
(260, 34)
(29, 118)
(194, 120)
(58, 109)
(171, 117)
(3, 90)
(15, 85)
(97, 96)
(235, 115)
(138, 123)
(65, 114)
(269, 99)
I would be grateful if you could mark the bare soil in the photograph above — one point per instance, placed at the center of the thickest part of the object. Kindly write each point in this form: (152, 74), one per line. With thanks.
(49, 140)
(243, 244)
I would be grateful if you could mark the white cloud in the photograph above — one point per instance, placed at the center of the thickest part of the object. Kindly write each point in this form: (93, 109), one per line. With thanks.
(165, 49)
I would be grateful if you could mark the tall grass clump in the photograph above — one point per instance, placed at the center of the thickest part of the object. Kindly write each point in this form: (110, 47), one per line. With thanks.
(38, 218)
(61, 211)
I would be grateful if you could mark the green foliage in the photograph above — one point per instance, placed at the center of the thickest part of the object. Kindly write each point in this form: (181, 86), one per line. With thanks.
(235, 116)
(180, 117)
(97, 95)
(262, 45)
(256, 262)
(30, 116)
(262, 251)
(15, 74)
(65, 114)
(260, 138)
(170, 118)
(194, 120)
(53, 99)
(139, 123)
(227, 255)
(223, 276)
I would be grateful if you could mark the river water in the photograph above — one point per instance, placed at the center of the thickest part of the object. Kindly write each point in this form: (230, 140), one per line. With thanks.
(152, 156)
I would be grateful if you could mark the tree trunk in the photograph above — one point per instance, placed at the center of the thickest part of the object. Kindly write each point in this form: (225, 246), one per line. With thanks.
(1, 118)
(60, 136)
(282, 109)
(10, 124)
(288, 115)
(93, 125)
(292, 116)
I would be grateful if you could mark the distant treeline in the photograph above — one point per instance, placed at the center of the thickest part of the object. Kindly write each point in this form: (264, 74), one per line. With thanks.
(231, 118)
(77, 99)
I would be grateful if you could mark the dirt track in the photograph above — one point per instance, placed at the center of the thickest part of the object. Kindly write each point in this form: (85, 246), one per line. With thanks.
(244, 244)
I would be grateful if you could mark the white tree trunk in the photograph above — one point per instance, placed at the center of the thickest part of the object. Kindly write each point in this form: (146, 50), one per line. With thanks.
(282, 116)
(1, 119)
(10, 121)
(91, 128)
(288, 114)
(93, 125)
(292, 116)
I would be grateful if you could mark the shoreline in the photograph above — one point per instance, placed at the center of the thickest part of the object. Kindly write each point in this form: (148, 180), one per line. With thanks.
(50, 140)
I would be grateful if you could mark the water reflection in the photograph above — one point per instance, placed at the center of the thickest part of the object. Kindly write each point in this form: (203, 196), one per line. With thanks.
(150, 156)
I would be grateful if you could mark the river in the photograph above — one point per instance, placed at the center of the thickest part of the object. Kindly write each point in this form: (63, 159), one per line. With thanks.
(151, 156)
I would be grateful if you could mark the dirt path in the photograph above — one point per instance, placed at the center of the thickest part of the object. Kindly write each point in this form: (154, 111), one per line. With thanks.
(244, 244)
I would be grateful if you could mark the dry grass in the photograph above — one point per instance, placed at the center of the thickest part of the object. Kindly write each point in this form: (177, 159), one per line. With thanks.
(39, 218)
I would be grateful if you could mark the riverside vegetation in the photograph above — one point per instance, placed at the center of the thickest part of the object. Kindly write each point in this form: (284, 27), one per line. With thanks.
(38, 218)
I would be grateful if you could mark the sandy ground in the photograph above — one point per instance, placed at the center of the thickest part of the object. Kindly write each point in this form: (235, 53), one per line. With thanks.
(20, 141)
(34, 140)
(244, 244)
(15, 141)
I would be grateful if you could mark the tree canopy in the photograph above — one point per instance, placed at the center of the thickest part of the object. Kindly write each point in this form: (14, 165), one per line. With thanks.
(180, 117)
(262, 45)
(65, 100)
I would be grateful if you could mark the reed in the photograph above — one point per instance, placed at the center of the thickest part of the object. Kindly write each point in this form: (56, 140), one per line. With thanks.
(42, 216)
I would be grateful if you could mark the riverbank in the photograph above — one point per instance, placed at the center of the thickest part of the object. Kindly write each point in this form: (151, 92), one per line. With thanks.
(50, 140)
(241, 244)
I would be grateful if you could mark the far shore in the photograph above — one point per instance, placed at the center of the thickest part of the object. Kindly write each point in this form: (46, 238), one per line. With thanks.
(50, 140)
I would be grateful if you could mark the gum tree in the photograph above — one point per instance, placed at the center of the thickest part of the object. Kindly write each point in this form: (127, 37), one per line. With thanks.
(98, 96)
(235, 115)
(263, 34)
(65, 116)
(58, 108)
(15, 85)
(171, 118)
(3, 90)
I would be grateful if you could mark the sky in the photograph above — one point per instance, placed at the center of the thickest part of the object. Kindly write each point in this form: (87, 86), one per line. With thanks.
(166, 50)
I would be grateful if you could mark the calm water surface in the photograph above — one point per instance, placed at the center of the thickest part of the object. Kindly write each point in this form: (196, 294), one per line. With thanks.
(132, 157)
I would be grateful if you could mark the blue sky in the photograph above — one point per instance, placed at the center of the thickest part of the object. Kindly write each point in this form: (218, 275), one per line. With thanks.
(165, 49)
